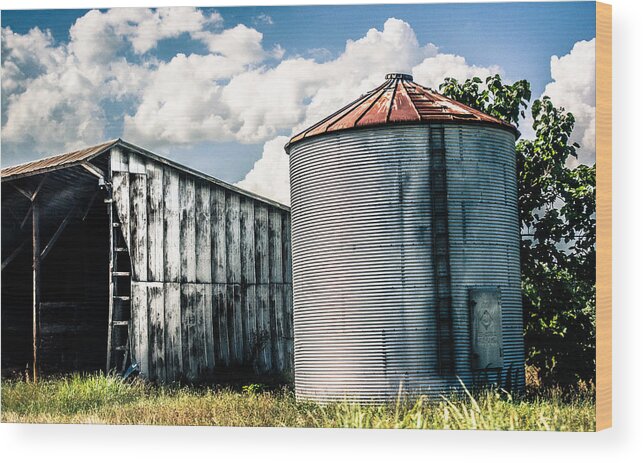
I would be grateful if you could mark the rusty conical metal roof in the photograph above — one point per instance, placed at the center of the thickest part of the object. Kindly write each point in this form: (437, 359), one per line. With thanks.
(398, 100)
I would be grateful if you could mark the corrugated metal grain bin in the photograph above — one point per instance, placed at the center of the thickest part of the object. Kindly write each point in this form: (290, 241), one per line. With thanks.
(405, 249)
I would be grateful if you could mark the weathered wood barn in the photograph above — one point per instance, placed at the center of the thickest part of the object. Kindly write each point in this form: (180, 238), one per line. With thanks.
(113, 256)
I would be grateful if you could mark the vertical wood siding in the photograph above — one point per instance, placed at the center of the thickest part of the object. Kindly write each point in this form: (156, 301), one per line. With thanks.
(211, 276)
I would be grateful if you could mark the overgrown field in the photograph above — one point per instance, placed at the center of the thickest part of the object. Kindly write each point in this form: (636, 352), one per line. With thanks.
(101, 399)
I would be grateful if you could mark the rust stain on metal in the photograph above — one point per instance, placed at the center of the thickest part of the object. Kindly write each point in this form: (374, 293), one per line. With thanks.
(379, 110)
(398, 100)
(55, 162)
(402, 108)
(352, 118)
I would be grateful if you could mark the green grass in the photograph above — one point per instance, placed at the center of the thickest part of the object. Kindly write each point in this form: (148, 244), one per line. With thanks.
(107, 399)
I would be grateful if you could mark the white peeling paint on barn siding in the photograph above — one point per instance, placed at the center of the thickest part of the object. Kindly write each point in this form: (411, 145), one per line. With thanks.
(211, 277)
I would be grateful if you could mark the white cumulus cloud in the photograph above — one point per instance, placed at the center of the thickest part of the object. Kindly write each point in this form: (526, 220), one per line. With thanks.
(97, 36)
(55, 97)
(25, 57)
(573, 86)
(176, 106)
(241, 44)
(46, 99)
(432, 71)
(189, 99)
(263, 19)
(269, 177)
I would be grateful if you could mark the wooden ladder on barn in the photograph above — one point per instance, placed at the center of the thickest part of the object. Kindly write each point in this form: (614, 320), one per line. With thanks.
(441, 260)
(118, 330)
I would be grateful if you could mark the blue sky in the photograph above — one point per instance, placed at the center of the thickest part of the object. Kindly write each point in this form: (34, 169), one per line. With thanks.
(516, 39)
(520, 37)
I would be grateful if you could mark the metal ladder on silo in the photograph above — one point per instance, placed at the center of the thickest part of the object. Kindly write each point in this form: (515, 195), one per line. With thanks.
(118, 329)
(441, 261)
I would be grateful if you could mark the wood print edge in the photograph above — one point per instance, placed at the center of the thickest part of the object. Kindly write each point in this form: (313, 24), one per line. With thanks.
(603, 216)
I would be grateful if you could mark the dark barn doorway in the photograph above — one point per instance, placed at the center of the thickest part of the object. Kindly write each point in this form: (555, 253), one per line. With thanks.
(73, 291)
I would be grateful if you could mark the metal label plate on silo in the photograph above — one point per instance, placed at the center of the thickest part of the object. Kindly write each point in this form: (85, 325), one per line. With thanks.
(486, 328)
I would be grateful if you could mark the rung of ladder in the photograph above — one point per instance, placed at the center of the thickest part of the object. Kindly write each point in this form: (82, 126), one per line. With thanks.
(116, 224)
(108, 201)
(120, 274)
(120, 323)
(122, 298)
(122, 348)
(440, 239)
(120, 249)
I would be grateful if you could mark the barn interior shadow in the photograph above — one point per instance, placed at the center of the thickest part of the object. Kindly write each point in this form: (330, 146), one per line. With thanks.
(74, 275)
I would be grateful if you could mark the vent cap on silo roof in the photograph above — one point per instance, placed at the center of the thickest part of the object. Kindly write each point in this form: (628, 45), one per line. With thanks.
(397, 75)
(398, 100)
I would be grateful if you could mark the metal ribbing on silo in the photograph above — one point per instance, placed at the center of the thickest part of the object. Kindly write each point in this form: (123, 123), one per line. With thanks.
(363, 273)
(484, 236)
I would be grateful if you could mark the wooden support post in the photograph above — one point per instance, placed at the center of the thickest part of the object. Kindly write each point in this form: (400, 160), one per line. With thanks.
(111, 282)
(36, 285)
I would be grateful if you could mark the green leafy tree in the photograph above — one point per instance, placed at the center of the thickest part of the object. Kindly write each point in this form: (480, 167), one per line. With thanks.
(557, 206)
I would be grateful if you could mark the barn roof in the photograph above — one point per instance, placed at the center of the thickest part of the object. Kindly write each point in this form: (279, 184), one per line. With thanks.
(398, 100)
(56, 162)
(80, 157)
